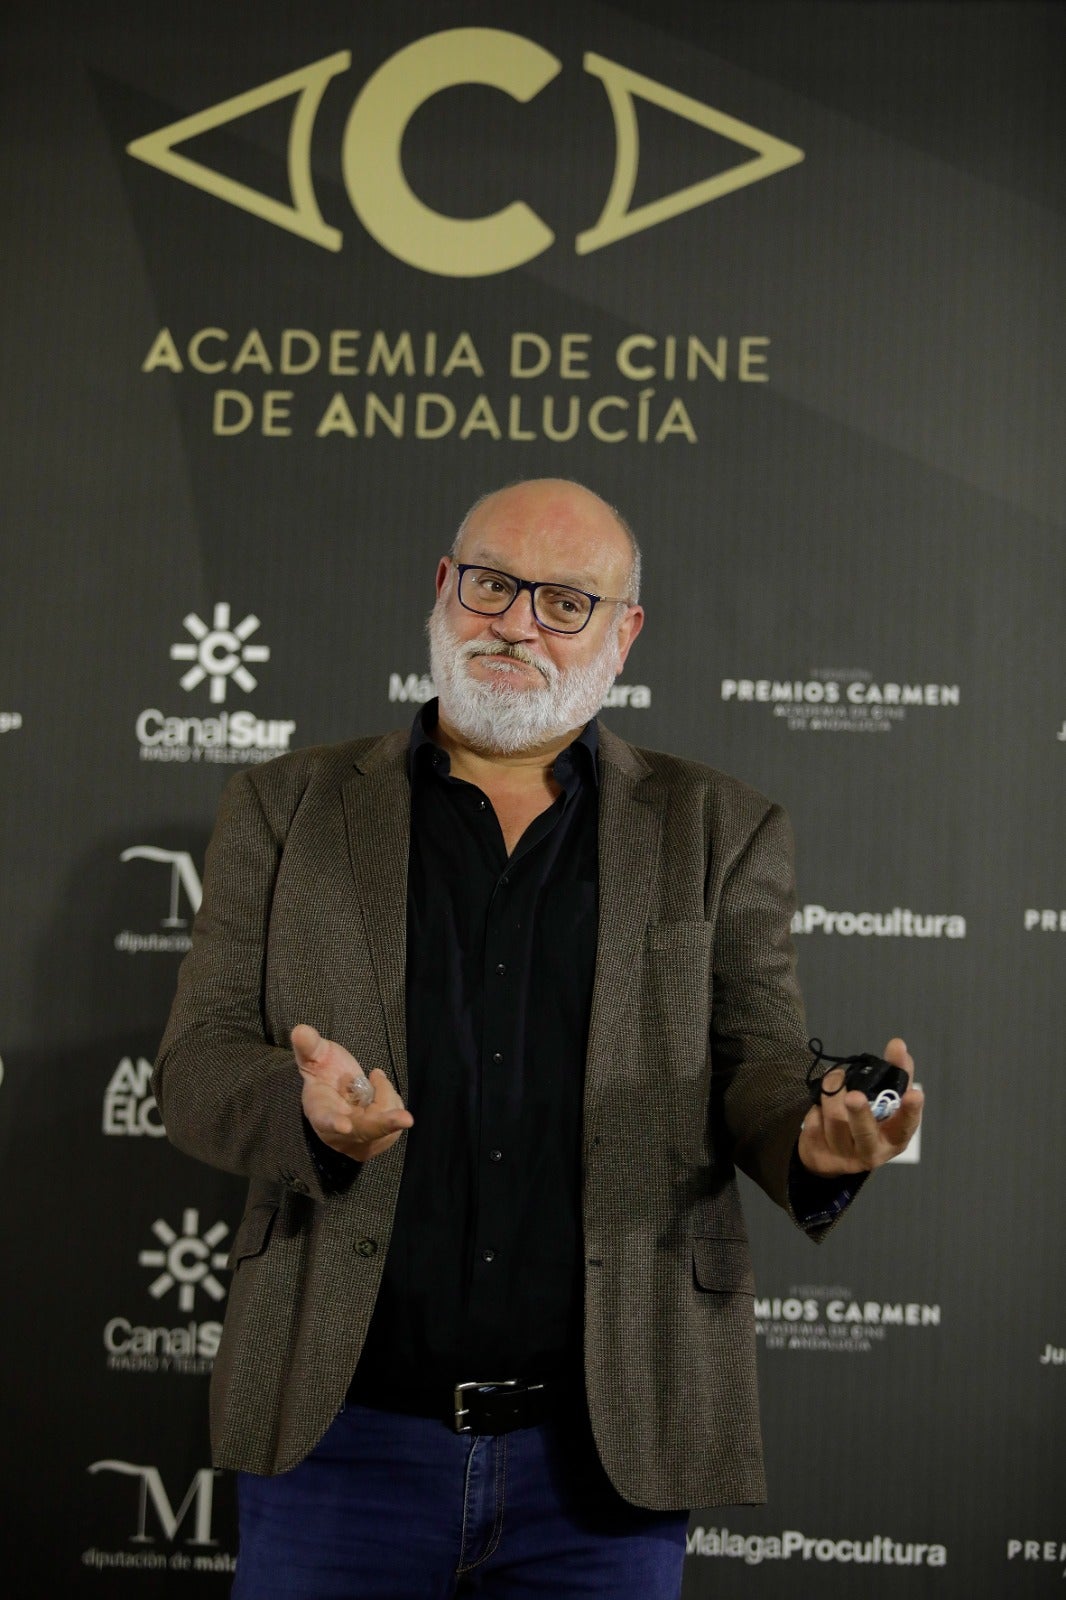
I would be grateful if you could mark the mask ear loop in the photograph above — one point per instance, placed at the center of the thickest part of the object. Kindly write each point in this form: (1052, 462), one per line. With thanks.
(815, 1080)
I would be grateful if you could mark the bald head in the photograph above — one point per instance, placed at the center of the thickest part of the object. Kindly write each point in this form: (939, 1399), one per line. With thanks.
(564, 522)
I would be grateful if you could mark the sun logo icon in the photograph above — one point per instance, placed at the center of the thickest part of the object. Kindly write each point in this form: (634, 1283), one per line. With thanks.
(219, 652)
(187, 1259)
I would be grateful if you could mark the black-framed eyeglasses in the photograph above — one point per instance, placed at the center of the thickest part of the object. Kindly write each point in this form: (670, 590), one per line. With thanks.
(558, 607)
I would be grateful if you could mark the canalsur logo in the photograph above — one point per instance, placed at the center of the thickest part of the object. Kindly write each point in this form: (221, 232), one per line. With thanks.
(831, 1318)
(158, 1517)
(183, 900)
(837, 699)
(219, 655)
(416, 689)
(129, 1104)
(187, 1261)
(186, 1350)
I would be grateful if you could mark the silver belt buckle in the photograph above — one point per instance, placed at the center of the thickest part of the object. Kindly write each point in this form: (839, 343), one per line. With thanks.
(459, 1392)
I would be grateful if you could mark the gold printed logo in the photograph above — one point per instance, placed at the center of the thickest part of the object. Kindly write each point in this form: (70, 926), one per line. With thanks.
(303, 216)
(371, 154)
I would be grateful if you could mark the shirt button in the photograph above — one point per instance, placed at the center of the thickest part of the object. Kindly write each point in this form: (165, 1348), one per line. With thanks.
(497, 1056)
(366, 1247)
(495, 1155)
(482, 805)
(488, 1255)
(501, 969)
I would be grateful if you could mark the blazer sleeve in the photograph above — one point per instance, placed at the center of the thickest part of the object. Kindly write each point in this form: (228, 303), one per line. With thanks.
(227, 1092)
(759, 1034)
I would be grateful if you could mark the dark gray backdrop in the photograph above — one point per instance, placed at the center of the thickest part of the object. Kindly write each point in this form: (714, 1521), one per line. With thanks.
(879, 520)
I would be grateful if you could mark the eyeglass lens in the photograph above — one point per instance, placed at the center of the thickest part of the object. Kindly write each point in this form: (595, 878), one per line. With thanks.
(554, 605)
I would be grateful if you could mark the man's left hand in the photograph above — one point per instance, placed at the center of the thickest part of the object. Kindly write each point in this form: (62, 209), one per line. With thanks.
(840, 1134)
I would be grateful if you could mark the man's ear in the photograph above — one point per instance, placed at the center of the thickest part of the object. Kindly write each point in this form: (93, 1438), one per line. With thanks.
(631, 625)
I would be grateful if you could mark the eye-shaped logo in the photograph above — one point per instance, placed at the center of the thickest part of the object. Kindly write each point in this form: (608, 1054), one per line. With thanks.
(372, 152)
(219, 652)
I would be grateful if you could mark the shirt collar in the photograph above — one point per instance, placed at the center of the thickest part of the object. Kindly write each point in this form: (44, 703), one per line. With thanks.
(578, 762)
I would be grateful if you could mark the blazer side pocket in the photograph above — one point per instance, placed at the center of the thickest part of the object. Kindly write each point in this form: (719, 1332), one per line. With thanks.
(723, 1266)
(253, 1233)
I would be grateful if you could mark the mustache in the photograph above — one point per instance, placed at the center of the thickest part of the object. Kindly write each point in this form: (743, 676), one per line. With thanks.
(513, 652)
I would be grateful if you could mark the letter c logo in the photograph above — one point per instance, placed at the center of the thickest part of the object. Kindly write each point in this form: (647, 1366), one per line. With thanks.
(371, 154)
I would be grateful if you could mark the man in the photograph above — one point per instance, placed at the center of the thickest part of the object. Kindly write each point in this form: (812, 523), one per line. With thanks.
(491, 1323)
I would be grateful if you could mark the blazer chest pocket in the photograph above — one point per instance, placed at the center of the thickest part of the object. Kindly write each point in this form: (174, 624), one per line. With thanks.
(253, 1233)
(672, 1002)
(723, 1266)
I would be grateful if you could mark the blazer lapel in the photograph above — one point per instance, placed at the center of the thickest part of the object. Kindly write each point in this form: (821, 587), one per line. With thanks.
(630, 827)
(377, 814)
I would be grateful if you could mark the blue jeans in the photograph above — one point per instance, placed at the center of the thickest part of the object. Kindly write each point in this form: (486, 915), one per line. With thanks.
(391, 1507)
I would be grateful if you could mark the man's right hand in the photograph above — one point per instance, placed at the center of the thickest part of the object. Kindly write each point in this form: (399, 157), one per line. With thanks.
(329, 1072)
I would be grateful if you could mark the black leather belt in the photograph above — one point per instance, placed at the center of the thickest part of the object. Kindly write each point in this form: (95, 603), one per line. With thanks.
(484, 1407)
(477, 1406)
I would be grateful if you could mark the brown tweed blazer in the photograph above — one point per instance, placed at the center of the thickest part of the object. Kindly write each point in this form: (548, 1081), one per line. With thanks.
(695, 1062)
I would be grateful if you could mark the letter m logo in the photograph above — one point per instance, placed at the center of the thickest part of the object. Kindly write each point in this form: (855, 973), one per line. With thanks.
(183, 876)
(152, 1492)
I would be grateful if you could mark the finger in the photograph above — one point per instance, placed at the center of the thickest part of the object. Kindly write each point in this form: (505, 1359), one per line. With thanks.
(897, 1053)
(385, 1093)
(811, 1142)
(374, 1124)
(366, 1151)
(836, 1126)
(325, 1059)
(868, 1141)
(361, 1148)
(900, 1129)
(308, 1045)
(833, 1082)
(818, 1154)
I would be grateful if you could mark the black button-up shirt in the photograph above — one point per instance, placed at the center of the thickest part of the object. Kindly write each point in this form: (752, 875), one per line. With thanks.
(484, 1271)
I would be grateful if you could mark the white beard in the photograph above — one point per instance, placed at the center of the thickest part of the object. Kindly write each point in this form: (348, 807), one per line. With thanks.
(505, 718)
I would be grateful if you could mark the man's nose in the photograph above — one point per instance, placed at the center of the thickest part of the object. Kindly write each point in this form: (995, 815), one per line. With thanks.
(518, 621)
